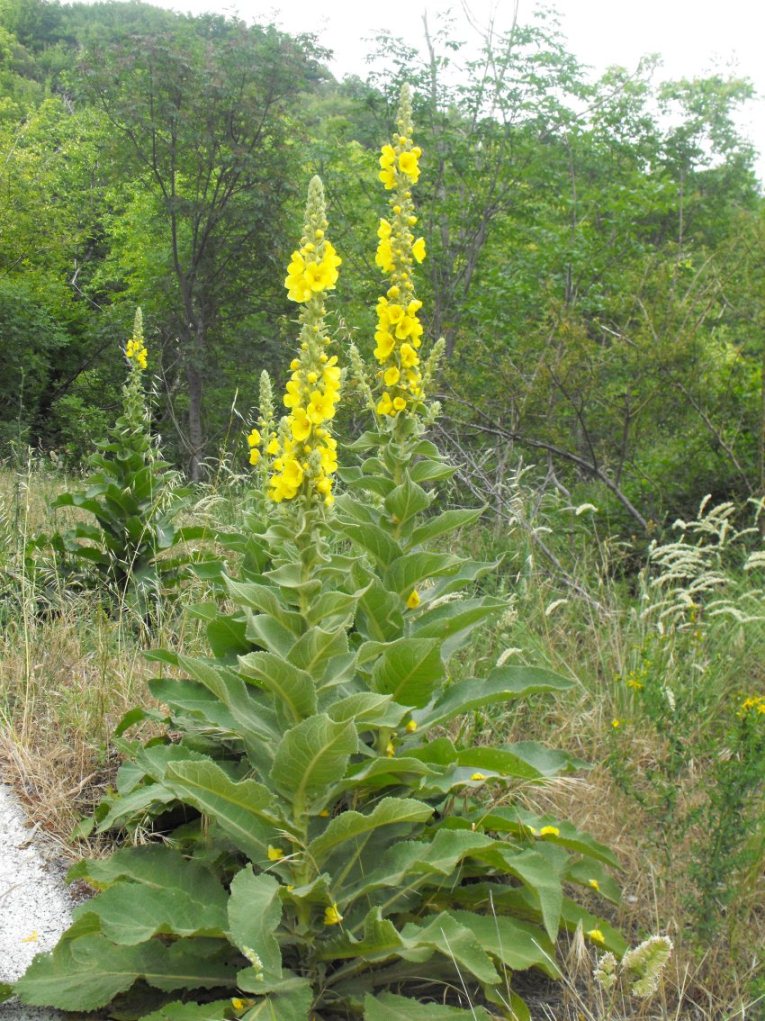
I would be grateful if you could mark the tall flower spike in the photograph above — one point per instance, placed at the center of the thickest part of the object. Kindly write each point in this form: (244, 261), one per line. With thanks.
(303, 451)
(135, 349)
(399, 331)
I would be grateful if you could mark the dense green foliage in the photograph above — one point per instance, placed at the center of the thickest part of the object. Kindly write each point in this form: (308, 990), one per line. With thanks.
(595, 247)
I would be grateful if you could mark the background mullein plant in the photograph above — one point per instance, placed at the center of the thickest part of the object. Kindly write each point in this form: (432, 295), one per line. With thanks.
(134, 499)
(325, 847)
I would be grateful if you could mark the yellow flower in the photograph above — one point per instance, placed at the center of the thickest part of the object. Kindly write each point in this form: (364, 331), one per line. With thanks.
(478, 776)
(594, 884)
(407, 164)
(413, 601)
(409, 357)
(411, 727)
(254, 456)
(392, 376)
(596, 936)
(398, 404)
(418, 249)
(385, 405)
(300, 424)
(549, 831)
(275, 853)
(253, 440)
(615, 724)
(332, 915)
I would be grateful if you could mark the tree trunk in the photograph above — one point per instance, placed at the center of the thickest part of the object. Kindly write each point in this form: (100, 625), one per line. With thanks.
(194, 380)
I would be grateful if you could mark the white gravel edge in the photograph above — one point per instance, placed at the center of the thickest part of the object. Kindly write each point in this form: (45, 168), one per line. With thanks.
(35, 906)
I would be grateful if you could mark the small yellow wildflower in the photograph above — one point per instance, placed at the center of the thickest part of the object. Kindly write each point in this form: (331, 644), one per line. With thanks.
(478, 776)
(594, 884)
(596, 936)
(549, 831)
(275, 853)
(615, 724)
(413, 601)
(390, 749)
(411, 727)
(332, 915)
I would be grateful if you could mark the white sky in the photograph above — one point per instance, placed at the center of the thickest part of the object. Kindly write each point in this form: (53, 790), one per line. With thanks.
(693, 37)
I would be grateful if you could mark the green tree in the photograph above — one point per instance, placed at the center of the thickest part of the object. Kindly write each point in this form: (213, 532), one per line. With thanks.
(200, 113)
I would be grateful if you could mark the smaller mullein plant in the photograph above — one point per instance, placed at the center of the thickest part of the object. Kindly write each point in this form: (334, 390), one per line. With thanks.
(132, 497)
(326, 849)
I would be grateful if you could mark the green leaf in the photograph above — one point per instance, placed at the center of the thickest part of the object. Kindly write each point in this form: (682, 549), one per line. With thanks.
(294, 1005)
(389, 1007)
(406, 501)
(242, 809)
(293, 687)
(502, 684)
(518, 945)
(88, 972)
(352, 825)
(267, 632)
(366, 707)
(378, 543)
(444, 523)
(409, 669)
(547, 761)
(226, 635)
(455, 942)
(265, 599)
(6, 991)
(311, 756)
(192, 699)
(180, 1011)
(254, 913)
(541, 873)
(252, 718)
(133, 912)
(380, 615)
(335, 607)
(454, 622)
(315, 647)
(407, 571)
(496, 760)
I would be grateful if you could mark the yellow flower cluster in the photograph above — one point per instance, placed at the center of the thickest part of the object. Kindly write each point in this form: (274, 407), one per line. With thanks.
(305, 449)
(755, 704)
(135, 351)
(312, 269)
(399, 331)
(304, 452)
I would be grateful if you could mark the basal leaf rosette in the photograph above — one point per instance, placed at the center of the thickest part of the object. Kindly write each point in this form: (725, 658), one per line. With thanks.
(303, 451)
(398, 336)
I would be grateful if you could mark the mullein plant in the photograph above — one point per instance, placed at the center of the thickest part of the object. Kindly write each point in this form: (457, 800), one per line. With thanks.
(324, 847)
(132, 496)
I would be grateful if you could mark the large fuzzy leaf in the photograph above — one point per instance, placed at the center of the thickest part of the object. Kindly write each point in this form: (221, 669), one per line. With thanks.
(254, 913)
(518, 945)
(311, 756)
(457, 943)
(444, 523)
(180, 1011)
(87, 973)
(292, 687)
(265, 599)
(389, 1007)
(132, 913)
(243, 809)
(357, 827)
(292, 1005)
(502, 684)
(409, 670)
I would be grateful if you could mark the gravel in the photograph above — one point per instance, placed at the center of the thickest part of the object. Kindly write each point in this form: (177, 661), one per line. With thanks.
(35, 906)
